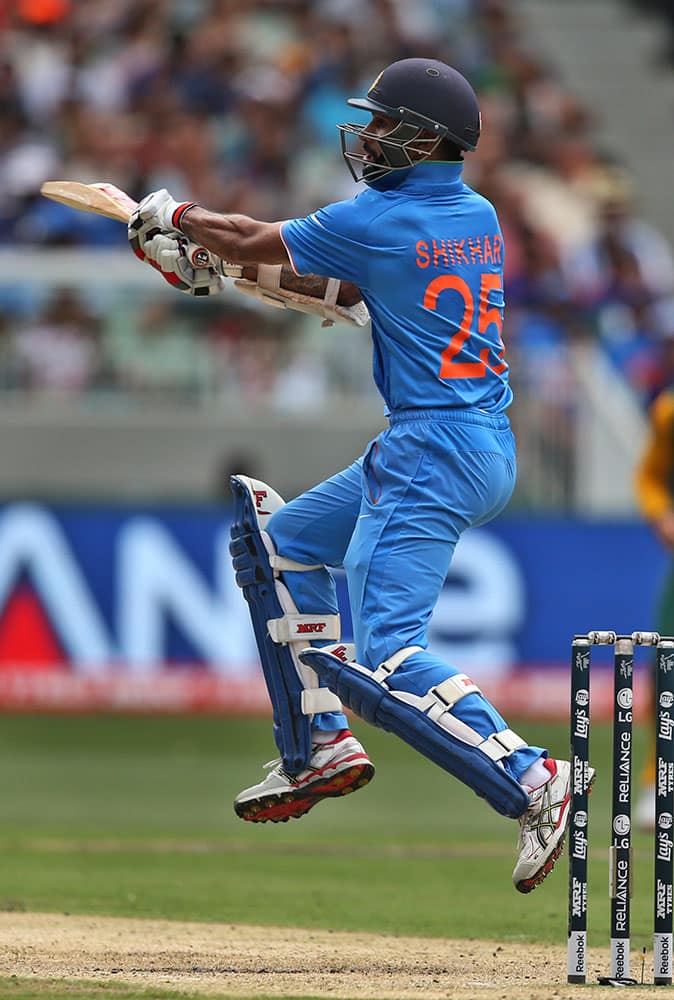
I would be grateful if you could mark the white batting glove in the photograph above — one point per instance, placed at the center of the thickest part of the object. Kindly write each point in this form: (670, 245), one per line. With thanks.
(140, 233)
(170, 255)
(162, 209)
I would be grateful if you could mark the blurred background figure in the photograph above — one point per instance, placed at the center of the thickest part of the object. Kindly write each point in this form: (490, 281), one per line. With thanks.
(60, 350)
(155, 352)
(655, 495)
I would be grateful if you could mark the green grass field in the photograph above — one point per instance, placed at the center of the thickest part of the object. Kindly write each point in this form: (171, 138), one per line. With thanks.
(132, 817)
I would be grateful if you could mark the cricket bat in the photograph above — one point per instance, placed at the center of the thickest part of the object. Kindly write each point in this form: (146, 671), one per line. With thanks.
(103, 198)
(98, 199)
(106, 199)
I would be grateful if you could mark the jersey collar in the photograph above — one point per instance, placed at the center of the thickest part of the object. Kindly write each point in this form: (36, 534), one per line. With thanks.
(434, 175)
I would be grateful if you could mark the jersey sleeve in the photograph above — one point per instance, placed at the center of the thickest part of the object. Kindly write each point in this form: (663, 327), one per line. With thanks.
(655, 471)
(330, 242)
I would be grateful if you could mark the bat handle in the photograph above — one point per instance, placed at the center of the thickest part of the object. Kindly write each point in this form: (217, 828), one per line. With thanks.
(198, 256)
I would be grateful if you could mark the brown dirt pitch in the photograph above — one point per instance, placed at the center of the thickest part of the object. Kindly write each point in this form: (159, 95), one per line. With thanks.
(228, 960)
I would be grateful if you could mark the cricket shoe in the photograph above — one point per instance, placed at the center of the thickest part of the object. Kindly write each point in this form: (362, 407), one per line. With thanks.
(543, 826)
(336, 768)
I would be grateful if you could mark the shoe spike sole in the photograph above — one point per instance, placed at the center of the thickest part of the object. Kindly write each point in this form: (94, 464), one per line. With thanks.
(294, 804)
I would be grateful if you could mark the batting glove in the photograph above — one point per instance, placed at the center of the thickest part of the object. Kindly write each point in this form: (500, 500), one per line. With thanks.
(160, 208)
(181, 264)
(140, 233)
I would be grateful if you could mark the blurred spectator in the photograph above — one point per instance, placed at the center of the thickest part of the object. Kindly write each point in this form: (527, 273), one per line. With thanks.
(661, 320)
(11, 370)
(153, 350)
(620, 234)
(60, 350)
(248, 353)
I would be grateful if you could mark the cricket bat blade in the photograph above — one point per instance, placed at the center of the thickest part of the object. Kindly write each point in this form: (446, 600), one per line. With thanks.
(98, 199)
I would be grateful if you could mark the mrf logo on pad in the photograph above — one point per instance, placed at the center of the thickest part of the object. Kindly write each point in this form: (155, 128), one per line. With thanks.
(305, 628)
(260, 497)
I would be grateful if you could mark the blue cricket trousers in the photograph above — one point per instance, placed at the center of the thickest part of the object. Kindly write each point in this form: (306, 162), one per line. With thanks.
(392, 520)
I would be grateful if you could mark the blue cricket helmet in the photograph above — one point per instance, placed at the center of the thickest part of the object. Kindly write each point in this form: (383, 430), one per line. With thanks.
(430, 100)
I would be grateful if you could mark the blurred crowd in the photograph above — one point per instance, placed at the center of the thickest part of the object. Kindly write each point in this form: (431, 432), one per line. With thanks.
(234, 104)
(664, 11)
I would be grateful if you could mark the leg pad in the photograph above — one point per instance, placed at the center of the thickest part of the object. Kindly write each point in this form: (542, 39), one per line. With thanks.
(427, 725)
(279, 629)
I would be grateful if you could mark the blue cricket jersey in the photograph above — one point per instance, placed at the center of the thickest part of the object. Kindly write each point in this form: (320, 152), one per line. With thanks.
(427, 253)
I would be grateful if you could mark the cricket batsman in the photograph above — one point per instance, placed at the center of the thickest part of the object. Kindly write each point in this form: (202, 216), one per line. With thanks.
(421, 255)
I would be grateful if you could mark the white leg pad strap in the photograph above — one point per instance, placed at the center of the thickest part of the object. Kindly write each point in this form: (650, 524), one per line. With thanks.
(386, 668)
(295, 630)
(281, 563)
(500, 745)
(294, 627)
(454, 688)
(315, 700)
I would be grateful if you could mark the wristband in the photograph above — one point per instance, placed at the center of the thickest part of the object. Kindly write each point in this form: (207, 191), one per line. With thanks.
(178, 213)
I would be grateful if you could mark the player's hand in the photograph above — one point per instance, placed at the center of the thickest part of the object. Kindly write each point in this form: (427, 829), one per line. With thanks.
(161, 209)
(170, 255)
(153, 215)
(140, 233)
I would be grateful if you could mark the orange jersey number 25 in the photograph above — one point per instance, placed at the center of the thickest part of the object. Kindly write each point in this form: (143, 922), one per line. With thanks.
(487, 315)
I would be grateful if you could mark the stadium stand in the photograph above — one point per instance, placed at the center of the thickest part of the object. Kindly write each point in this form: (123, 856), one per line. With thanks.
(235, 106)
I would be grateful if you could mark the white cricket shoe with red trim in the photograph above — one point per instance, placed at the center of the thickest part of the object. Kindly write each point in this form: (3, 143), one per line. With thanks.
(543, 826)
(336, 768)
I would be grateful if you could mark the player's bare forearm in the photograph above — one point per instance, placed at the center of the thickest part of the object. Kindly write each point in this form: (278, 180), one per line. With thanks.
(237, 239)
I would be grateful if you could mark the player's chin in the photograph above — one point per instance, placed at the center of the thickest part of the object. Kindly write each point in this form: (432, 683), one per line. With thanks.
(372, 165)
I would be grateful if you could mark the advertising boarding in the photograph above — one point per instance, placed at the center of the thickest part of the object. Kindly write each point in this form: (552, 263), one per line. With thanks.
(136, 609)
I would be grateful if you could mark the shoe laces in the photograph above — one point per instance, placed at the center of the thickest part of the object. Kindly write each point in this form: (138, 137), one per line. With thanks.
(276, 766)
(540, 813)
(277, 763)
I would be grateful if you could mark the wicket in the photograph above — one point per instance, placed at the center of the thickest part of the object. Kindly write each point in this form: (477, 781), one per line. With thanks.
(620, 849)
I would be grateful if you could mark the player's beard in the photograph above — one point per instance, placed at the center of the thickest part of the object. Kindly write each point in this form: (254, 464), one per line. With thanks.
(373, 166)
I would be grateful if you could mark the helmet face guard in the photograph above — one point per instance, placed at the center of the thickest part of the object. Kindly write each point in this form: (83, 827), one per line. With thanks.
(401, 148)
(428, 101)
